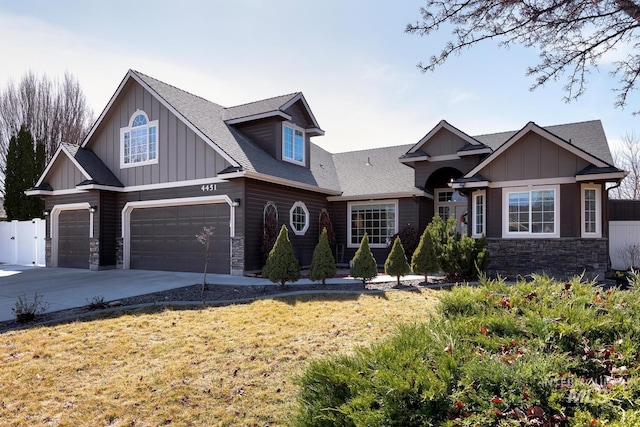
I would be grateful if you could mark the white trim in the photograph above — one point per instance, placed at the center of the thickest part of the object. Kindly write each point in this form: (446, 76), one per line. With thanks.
(282, 181)
(519, 183)
(444, 158)
(602, 176)
(130, 206)
(414, 159)
(598, 189)
(53, 229)
(443, 124)
(506, 234)
(300, 97)
(62, 148)
(474, 197)
(474, 152)
(381, 196)
(364, 203)
(316, 130)
(38, 192)
(295, 128)
(258, 117)
(133, 75)
(306, 222)
(543, 133)
(123, 130)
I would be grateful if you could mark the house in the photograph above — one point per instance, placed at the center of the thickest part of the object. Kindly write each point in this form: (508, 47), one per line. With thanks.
(161, 163)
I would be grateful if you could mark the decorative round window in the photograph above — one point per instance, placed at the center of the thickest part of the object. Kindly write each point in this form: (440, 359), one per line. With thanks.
(299, 218)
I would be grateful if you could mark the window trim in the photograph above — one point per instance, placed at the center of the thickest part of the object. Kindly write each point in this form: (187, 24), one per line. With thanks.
(124, 130)
(598, 190)
(306, 218)
(393, 202)
(294, 128)
(474, 212)
(529, 235)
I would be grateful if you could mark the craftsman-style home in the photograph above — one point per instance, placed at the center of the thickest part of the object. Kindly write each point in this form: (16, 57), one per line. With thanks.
(159, 164)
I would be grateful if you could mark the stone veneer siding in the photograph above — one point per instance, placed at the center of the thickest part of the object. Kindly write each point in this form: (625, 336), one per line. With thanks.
(94, 253)
(560, 258)
(119, 253)
(237, 256)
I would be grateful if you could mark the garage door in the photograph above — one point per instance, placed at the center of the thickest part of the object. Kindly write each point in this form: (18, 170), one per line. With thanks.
(73, 239)
(163, 238)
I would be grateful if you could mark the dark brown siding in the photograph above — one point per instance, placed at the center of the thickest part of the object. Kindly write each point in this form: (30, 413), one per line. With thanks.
(494, 212)
(624, 210)
(257, 195)
(570, 210)
(339, 216)
(265, 133)
(108, 215)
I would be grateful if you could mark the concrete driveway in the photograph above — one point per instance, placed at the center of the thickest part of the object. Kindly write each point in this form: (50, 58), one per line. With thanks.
(66, 288)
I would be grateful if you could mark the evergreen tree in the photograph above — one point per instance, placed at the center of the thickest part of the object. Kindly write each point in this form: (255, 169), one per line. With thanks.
(425, 259)
(323, 264)
(364, 264)
(396, 263)
(22, 172)
(282, 265)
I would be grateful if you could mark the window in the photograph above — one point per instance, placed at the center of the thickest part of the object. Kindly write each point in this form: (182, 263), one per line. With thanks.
(377, 219)
(478, 218)
(299, 218)
(591, 211)
(531, 213)
(139, 141)
(292, 143)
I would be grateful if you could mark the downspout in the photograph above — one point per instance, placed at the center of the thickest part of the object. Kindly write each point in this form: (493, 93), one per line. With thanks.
(607, 215)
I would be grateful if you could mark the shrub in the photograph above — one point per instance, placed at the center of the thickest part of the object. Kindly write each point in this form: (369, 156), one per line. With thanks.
(96, 303)
(396, 263)
(410, 237)
(460, 257)
(27, 309)
(425, 259)
(364, 264)
(534, 353)
(282, 266)
(323, 265)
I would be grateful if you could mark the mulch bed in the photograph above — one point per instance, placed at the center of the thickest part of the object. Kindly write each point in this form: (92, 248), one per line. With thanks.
(212, 295)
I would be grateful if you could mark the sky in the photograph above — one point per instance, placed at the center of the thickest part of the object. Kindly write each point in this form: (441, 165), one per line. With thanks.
(352, 59)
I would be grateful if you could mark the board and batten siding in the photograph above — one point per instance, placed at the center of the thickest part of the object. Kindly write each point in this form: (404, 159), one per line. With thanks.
(182, 155)
(265, 133)
(257, 194)
(64, 174)
(533, 157)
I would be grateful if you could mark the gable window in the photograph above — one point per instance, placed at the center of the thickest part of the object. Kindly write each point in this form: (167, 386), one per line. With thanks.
(590, 212)
(139, 141)
(292, 143)
(378, 219)
(531, 213)
(479, 216)
(299, 218)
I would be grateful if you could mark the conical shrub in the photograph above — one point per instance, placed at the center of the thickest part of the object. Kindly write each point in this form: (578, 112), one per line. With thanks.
(282, 266)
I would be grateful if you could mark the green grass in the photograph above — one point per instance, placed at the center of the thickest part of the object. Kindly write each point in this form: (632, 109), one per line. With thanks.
(221, 366)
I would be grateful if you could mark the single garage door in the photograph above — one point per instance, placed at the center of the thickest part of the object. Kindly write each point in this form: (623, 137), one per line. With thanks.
(163, 238)
(73, 239)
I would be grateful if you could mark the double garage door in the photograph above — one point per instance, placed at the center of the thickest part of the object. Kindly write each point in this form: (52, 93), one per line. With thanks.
(164, 238)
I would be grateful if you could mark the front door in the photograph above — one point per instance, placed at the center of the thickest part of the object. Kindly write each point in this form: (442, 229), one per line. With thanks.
(450, 202)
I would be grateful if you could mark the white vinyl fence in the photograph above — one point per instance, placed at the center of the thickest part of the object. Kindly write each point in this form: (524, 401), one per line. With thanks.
(22, 242)
(624, 243)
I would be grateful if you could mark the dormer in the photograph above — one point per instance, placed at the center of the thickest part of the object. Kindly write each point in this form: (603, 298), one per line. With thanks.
(282, 126)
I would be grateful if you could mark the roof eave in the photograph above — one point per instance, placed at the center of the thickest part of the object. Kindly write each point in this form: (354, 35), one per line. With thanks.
(259, 116)
(381, 196)
(607, 176)
(282, 181)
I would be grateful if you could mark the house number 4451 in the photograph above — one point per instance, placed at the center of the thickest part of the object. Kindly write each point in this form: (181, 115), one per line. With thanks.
(208, 187)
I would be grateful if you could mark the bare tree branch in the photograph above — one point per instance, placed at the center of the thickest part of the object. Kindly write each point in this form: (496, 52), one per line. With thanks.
(53, 111)
(571, 36)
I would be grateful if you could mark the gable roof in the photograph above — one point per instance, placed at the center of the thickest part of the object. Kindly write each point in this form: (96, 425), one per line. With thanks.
(207, 120)
(270, 107)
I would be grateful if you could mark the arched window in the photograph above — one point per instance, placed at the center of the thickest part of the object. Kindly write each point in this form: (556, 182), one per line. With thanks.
(139, 141)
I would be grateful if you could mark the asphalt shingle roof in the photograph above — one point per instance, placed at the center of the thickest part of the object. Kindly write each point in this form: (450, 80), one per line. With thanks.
(258, 107)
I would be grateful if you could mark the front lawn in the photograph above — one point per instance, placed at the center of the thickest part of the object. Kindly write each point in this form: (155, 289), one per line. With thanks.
(537, 353)
(200, 367)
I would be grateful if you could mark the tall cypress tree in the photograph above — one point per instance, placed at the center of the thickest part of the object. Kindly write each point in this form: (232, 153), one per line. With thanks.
(22, 172)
